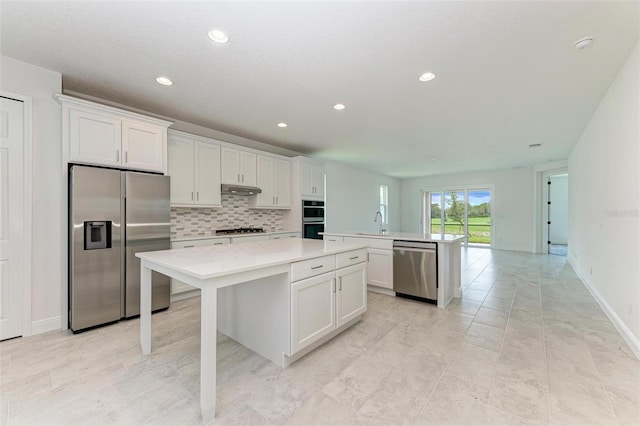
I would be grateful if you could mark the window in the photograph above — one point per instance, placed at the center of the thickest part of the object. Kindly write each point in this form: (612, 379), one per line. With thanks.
(384, 203)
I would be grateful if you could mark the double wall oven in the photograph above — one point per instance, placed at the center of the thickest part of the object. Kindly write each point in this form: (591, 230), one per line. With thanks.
(312, 219)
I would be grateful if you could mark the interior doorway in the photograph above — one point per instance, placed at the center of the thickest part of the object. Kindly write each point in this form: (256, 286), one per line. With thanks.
(557, 213)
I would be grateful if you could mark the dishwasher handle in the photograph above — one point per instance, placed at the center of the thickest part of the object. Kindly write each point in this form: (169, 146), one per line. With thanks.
(419, 250)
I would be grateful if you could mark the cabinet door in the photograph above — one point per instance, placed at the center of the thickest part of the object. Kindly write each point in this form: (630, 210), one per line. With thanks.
(180, 168)
(306, 176)
(282, 183)
(380, 268)
(312, 310)
(94, 138)
(230, 166)
(143, 146)
(248, 168)
(317, 179)
(265, 174)
(351, 295)
(207, 174)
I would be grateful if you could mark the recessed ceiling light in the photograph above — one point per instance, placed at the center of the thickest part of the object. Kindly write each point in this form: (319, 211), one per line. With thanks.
(583, 42)
(164, 81)
(282, 124)
(427, 76)
(218, 36)
(535, 145)
(339, 107)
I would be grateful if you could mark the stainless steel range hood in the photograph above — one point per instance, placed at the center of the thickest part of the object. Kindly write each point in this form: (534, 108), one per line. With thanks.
(240, 189)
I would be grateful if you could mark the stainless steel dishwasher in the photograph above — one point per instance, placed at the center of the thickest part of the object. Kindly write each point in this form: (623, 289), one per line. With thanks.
(415, 270)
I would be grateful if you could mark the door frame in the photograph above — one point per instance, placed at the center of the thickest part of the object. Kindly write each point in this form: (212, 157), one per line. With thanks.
(458, 188)
(540, 201)
(27, 204)
(545, 209)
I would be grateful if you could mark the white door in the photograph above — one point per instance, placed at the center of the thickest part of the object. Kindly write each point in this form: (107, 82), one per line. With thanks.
(351, 293)
(282, 183)
(207, 174)
(12, 262)
(248, 168)
(180, 168)
(142, 146)
(94, 138)
(230, 166)
(313, 310)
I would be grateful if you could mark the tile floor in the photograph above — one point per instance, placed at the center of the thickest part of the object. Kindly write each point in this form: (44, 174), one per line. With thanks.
(526, 345)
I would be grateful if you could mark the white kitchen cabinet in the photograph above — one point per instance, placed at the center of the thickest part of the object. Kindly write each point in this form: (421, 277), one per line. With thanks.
(322, 303)
(194, 167)
(312, 179)
(101, 135)
(284, 235)
(274, 178)
(332, 238)
(351, 293)
(178, 287)
(238, 167)
(380, 265)
(380, 268)
(248, 238)
(313, 307)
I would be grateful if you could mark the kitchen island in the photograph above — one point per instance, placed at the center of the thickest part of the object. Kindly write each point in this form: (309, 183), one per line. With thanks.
(380, 254)
(280, 298)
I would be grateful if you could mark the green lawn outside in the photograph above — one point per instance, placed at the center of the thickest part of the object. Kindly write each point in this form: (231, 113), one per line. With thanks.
(479, 229)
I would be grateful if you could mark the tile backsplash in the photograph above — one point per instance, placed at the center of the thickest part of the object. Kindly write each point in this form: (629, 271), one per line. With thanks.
(234, 213)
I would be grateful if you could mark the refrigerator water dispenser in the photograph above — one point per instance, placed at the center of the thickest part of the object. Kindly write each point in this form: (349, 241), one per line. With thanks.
(97, 235)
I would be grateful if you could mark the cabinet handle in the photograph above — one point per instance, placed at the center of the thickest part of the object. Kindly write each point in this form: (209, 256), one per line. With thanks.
(354, 257)
(340, 280)
(117, 155)
(242, 178)
(126, 156)
(197, 195)
(218, 244)
(189, 246)
(368, 256)
(191, 195)
(333, 282)
(277, 200)
(238, 177)
(317, 267)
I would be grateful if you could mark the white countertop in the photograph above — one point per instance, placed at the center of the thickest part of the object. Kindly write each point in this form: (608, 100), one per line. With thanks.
(406, 236)
(214, 236)
(217, 261)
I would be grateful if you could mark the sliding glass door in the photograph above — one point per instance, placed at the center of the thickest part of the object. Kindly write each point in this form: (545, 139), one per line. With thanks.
(465, 212)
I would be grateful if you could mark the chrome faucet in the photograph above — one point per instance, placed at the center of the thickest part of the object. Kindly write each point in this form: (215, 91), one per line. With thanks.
(375, 219)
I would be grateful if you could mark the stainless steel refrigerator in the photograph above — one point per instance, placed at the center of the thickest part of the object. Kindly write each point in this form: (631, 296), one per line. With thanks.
(114, 214)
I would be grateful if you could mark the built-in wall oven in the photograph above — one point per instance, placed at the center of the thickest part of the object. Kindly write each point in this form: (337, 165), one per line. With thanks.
(312, 219)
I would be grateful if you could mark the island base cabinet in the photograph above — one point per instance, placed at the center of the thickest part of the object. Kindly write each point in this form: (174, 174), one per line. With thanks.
(312, 310)
(380, 268)
(351, 293)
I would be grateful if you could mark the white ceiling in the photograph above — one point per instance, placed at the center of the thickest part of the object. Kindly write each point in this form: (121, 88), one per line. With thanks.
(507, 73)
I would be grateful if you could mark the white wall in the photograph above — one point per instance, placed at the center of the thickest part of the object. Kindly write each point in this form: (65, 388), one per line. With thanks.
(353, 198)
(513, 203)
(47, 261)
(604, 202)
(559, 210)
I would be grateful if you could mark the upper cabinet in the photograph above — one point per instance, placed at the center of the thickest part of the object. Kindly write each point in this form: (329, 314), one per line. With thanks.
(312, 179)
(274, 178)
(194, 167)
(106, 136)
(238, 167)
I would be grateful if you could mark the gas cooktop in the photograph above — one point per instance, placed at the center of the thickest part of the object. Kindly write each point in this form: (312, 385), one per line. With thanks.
(247, 230)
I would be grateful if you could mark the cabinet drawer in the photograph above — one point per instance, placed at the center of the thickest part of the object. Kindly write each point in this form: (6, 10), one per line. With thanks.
(350, 258)
(380, 243)
(312, 267)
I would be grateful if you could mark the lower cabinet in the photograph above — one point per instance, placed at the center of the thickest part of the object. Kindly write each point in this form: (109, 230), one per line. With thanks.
(285, 235)
(325, 302)
(380, 268)
(178, 286)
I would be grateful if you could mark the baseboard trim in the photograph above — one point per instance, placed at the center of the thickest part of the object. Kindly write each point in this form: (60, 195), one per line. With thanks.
(622, 328)
(47, 324)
